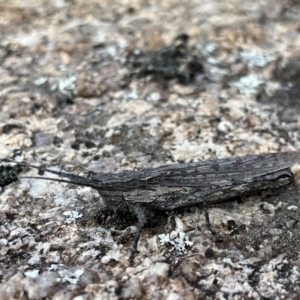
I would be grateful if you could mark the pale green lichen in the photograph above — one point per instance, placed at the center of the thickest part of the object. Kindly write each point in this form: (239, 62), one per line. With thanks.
(255, 59)
(67, 83)
(71, 277)
(71, 215)
(249, 84)
(179, 244)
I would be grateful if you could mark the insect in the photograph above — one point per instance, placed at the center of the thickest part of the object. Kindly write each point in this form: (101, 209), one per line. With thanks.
(145, 191)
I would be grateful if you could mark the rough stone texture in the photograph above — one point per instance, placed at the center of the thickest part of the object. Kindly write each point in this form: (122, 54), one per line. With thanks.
(89, 86)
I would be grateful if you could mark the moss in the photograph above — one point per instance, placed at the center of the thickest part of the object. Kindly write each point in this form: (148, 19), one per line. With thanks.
(8, 174)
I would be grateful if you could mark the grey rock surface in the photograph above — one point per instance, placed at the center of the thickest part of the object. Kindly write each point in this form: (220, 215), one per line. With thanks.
(105, 86)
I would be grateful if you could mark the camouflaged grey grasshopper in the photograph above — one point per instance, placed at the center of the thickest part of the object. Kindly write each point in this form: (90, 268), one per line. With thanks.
(169, 187)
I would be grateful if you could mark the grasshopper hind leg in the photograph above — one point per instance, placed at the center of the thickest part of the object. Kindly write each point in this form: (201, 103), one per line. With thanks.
(219, 238)
(142, 215)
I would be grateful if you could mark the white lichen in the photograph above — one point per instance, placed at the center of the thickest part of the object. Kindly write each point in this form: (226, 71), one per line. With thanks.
(68, 276)
(32, 273)
(249, 84)
(71, 215)
(256, 59)
(67, 83)
(179, 244)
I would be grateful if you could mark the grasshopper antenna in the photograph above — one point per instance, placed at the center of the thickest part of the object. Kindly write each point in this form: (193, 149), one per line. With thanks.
(75, 179)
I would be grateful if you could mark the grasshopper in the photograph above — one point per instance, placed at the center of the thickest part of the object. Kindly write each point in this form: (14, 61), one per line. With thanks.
(168, 187)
